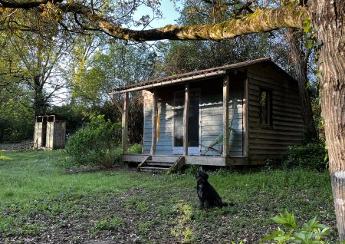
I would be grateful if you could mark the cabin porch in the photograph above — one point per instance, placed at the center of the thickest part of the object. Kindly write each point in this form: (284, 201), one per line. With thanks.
(200, 123)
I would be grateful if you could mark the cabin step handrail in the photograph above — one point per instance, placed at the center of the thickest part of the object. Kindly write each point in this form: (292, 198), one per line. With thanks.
(142, 163)
(178, 164)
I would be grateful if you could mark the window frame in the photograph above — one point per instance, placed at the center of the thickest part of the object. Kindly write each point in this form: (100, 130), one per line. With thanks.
(269, 107)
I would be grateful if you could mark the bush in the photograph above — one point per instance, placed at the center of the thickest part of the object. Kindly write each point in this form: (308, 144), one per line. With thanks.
(135, 148)
(95, 144)
(312, 156)
(310, 232)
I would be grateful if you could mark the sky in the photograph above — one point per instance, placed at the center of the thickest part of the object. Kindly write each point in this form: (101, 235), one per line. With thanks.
(168, 9)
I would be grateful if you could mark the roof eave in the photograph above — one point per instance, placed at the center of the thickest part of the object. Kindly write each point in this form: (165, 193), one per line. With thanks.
(174, 81)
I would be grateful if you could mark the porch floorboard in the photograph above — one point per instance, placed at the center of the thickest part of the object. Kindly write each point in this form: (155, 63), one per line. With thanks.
(192, 160)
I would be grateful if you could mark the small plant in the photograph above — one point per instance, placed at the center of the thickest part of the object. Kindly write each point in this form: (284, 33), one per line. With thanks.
(182, 230)
(312, 156)
(135, 148)
(3, 157)
(95, 143)
(310, 232)
(113, 223)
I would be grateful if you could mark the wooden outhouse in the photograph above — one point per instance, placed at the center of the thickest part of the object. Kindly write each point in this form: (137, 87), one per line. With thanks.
(238, 114)
(49, 132)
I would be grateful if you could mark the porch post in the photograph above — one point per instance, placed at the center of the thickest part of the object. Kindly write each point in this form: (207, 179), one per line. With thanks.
(245, 118)
(125, 124)
(185, 120)
(225, 115)
(154, 124)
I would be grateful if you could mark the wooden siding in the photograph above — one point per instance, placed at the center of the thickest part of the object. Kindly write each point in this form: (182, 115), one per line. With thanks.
(164, 128)
(211, 120)
(271, 142)
(211, 124)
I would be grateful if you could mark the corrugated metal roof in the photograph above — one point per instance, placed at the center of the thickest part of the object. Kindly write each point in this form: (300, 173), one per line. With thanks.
(189, 76)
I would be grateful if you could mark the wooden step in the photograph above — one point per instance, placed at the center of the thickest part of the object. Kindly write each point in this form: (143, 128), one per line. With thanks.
(164, 159)
(153, 169)
(161, 164)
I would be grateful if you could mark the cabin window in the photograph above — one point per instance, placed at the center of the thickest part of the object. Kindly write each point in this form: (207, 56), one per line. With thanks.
(265, 107)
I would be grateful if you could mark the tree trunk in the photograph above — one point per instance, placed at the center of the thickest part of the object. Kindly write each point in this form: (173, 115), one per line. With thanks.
(40, 105)
(328, 19)
(300, 63)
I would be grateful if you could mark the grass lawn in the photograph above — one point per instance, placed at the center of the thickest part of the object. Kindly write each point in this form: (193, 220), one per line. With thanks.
(40, 202)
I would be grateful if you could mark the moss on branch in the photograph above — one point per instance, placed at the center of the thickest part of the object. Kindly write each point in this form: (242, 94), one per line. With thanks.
(262, 20)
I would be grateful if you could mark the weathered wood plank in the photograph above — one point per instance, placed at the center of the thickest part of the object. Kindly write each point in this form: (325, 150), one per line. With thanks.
(154, 124)
(185, 120)
(225, 115)
(206, 160)
(134, 157)
(246, 118)
(125, 123)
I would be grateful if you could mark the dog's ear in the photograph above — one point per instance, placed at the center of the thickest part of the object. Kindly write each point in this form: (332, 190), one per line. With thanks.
(205, 175)
(201, 173)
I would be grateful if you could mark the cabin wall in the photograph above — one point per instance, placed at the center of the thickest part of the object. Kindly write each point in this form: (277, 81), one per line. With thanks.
(211, 121)
(210, 118)
(164, 144)
(271, 142)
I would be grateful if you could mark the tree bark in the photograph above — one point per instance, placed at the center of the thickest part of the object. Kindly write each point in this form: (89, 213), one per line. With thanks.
(300, 63)
(40, 105)
(328, 19)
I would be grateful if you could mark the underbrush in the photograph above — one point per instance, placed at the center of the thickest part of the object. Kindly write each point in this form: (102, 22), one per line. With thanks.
(311, 156)
(95, 144)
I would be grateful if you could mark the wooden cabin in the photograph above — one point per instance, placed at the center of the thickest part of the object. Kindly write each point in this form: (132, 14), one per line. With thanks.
(238, 114)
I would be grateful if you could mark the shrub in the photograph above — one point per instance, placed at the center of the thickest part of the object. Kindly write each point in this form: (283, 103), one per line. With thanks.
(310, 232)
(135, 148)
(95, 143)
(312, 156)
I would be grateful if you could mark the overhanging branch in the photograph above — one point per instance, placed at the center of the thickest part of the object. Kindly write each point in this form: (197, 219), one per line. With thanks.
(261, 20)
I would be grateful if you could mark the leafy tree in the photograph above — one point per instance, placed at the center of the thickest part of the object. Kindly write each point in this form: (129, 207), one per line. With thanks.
(190, 55)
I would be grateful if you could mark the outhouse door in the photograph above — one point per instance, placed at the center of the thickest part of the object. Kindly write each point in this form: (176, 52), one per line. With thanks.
(193, 123)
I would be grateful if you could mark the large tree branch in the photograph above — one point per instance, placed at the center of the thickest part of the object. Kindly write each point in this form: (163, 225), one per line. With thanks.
(261, 20)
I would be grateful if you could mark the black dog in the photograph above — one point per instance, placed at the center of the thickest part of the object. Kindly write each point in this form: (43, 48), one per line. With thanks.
(208, 197)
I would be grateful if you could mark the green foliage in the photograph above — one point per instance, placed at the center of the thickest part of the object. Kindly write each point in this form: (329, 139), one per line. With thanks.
(16, 120)
(310, 232)
(75, 116)
(112, 223)
(3, 157)
(135, 148)
(182, 229)
(95, 143)
(311, 155)
(118, 64)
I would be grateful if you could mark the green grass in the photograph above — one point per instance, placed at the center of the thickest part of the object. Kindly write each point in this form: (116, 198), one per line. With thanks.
(38, 199)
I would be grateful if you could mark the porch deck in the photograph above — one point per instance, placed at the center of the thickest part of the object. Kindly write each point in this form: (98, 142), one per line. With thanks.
(192, 160)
